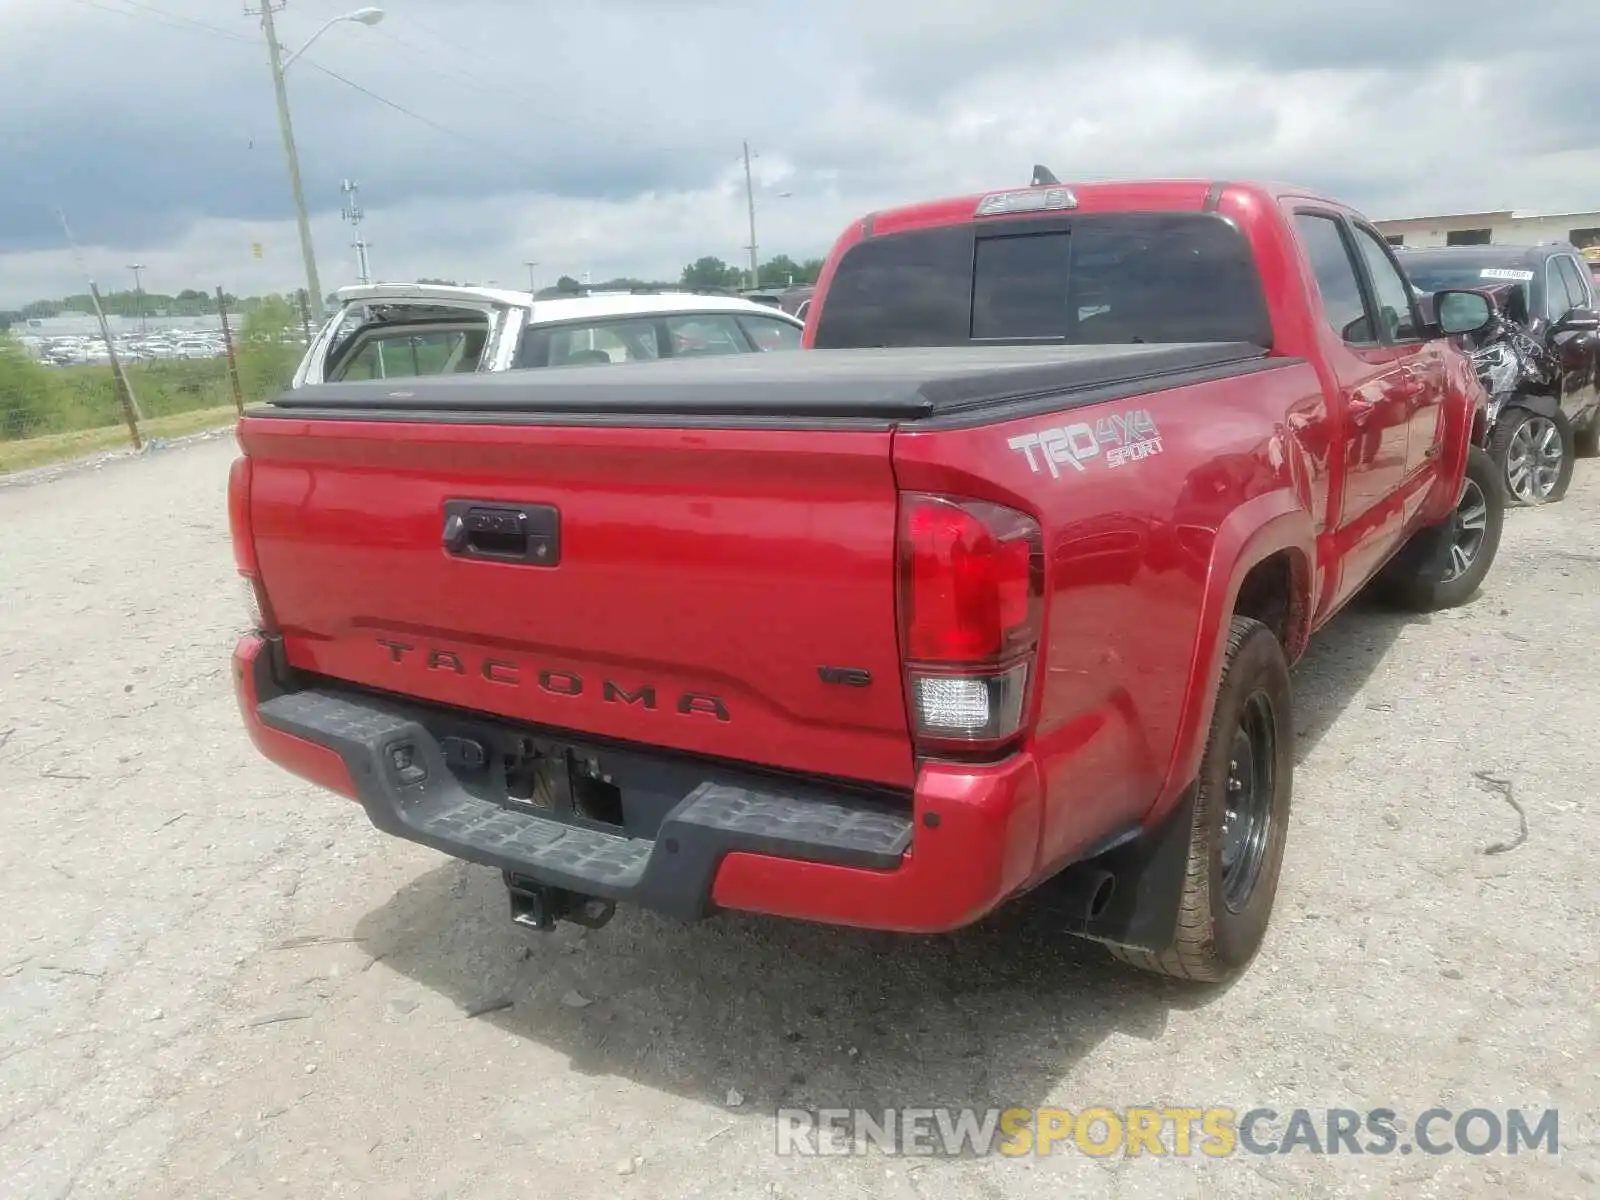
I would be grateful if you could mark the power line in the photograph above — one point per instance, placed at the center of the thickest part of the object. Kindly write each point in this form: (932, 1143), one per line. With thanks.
(421, 54)
(140, 8)
(431, 62)
(190, 21)
(439, 39)
(445, 71)
(173, 20)
(400, 108)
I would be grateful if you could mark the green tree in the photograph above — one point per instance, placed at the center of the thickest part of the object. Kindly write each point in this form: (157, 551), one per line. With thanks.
(711, 272)
(782, 271)
(271, 343)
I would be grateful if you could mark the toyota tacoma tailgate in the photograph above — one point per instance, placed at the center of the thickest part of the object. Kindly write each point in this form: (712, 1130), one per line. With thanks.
(718, 591)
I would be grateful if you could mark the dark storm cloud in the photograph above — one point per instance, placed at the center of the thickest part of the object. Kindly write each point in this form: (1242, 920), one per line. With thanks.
(608, 106)
(140, 127)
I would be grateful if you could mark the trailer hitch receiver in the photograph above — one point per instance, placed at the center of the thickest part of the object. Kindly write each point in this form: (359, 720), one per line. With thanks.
(539, 906)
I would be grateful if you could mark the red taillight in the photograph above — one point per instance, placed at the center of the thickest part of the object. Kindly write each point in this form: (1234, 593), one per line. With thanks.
(244, 545)
(971, 597)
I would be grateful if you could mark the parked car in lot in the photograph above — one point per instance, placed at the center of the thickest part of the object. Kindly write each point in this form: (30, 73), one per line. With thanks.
(993, 591)
(1548, 291)
(390, 331)
(1533, 452)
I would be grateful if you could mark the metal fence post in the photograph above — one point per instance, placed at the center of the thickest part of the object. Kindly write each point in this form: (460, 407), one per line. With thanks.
(227, 342)
(118, 375)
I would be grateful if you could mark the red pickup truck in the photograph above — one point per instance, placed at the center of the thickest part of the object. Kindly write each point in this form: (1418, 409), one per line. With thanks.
(991, 590)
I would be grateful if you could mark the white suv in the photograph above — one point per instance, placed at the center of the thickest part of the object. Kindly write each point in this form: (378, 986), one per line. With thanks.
(389, 331)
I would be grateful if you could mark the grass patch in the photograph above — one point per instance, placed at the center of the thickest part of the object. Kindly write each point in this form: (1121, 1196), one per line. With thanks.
(60, 447)
(51, 413)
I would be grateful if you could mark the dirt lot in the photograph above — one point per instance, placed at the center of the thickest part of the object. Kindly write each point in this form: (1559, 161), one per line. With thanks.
(217, 981)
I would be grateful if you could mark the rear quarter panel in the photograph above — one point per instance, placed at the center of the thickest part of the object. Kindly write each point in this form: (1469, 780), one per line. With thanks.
(1143, 557)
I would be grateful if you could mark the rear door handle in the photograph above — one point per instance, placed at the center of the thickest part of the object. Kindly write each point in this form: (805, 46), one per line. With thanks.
(510, 533)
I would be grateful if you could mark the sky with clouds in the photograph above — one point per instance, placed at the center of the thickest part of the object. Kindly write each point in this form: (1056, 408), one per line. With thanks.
(605, 137)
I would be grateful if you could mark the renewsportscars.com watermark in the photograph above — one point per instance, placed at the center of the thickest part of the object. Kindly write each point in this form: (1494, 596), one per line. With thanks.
(1209, 1132)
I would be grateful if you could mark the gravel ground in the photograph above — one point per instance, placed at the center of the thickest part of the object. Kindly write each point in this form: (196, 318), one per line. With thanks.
(217, 981)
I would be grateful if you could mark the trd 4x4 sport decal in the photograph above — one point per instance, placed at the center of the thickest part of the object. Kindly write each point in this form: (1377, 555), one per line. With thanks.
(1118, 440)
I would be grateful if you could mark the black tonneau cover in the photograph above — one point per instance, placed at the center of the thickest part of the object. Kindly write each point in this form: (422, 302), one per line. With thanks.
(900, 384)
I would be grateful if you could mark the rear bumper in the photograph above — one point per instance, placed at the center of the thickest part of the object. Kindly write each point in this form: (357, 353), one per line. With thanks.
(791, 849)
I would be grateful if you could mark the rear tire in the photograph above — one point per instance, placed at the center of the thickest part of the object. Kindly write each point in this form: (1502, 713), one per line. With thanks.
(1534, 453)
(1587, 443)
(1443, 565)
(1241, 817)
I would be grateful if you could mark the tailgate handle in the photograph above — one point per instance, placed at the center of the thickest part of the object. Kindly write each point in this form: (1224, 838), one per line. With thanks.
(509, 533)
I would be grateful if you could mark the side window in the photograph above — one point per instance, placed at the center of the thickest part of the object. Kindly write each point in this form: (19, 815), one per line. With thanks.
(401, 355)
(1556, 300)
(1577, 290)
(709, 333)
(603, 342)
(1396, 313)
(768, 334)
(1159, 278)
(1336, 277)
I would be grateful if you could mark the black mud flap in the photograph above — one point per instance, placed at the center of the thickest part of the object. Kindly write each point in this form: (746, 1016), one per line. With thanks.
(1130, 894)
(1427, 555)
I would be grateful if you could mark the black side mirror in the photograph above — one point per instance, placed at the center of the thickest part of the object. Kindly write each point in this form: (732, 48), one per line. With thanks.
(1458, 311)
(1578, 320)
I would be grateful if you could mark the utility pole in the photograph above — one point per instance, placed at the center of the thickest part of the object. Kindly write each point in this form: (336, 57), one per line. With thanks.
(750, 200)
(138, 297)
(275, 58)
(353, 213)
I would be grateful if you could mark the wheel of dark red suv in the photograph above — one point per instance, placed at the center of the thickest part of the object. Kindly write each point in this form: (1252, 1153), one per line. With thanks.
(1241, 816)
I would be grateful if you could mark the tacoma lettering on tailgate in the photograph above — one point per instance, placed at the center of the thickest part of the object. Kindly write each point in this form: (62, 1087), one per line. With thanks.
(1118, 440)
(509, 673)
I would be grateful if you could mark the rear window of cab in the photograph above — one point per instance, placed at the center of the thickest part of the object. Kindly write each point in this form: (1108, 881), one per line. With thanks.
(1108, 278)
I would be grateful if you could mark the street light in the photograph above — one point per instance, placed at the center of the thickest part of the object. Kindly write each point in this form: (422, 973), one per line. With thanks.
(363, 16)
(532, 285)
(138, 297)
